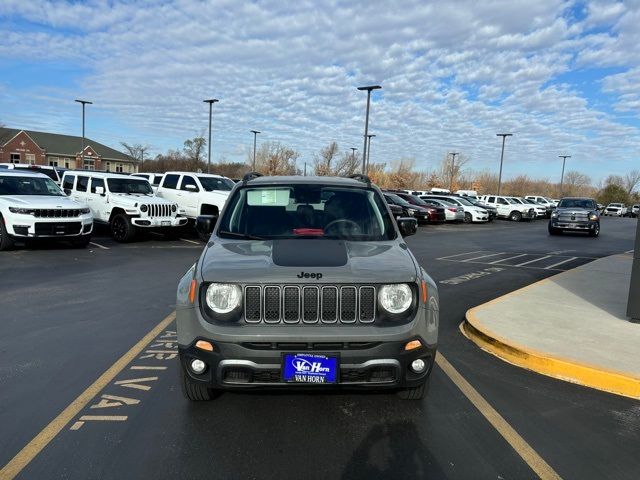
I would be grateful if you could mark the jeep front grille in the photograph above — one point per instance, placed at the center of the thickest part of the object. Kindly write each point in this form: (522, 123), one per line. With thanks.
(272, 304)
(159, 210)
(56, 213)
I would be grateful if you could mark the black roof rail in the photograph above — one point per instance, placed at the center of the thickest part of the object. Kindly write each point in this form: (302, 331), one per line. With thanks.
(362, 178)
(250, 176)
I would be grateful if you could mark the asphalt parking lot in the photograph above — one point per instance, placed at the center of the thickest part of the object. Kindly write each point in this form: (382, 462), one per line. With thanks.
(68, 316)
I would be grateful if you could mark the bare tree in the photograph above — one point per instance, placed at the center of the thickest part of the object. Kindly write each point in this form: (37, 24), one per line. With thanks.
(135, 151)
(614, 180)
(631, 180)
(322, 161)
(450, 171)
(194, 148)
(575, 183)
(402, 174)
(274, 158)
(348, 164)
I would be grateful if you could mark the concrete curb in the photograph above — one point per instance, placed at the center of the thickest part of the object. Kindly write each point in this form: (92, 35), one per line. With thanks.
(620, 383)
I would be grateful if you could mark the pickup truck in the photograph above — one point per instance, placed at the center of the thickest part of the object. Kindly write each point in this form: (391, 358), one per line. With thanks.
(195, 193)
(508, 208)
(615, 210)
(576, 215)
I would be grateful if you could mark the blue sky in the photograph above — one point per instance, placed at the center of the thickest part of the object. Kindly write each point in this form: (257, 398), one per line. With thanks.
(563, 76)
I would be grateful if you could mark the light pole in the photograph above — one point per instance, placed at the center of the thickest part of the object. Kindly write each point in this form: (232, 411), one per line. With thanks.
(564, 159)
(255, 135)
(368, 153)
(142, 150)
(210, 102)
(453, 166)
(504, 136)
(353, 154)
(83, 102)
(366, 124)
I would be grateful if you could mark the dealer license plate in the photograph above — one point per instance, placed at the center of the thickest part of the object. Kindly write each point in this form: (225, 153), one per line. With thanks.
(165, 223)
(310, 368)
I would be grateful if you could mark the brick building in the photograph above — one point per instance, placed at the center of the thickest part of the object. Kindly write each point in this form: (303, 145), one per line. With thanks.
(41, 148)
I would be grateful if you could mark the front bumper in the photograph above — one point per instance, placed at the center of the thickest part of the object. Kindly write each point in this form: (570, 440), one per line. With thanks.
(155, 222)
(576, 226)
(249, 365)
(28, 226)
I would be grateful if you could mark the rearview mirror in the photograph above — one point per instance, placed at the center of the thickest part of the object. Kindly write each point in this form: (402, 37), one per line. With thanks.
(67, 191)
(205, 225)
(99, 190)
(407, 226)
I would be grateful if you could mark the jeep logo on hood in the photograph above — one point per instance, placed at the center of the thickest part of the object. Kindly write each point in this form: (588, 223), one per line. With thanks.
(317, 276)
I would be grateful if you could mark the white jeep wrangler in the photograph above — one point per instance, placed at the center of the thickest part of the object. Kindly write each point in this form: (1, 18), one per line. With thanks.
(196, 193)
(33, 206)
(124, 202)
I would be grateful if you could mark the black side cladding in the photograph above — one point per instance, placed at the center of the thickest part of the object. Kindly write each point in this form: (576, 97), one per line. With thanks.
(309, 253)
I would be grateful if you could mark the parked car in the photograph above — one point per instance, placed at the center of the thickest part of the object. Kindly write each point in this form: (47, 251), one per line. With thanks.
(435, 213)
(419, 213)
(575, 214)
(153, 178)
(542, 201)
(635, 210)
(33, 206)
(509, 209)
(125, 203)
(493, 211)
(472, 213)
(467, 193)
(453, 212)
(307, 282)
(615, 210)
(54, 173)
(541, 211)
(196, 193)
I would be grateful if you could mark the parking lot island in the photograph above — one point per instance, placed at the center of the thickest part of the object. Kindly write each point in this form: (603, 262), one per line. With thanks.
(572, 326)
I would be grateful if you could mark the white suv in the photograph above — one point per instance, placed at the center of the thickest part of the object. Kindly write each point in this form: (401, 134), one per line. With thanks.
(471, 212)
(124, 202)
(196, 193)
(615, 210)
(542, 201)
(508, 208)
(154, 179)
(33, 206)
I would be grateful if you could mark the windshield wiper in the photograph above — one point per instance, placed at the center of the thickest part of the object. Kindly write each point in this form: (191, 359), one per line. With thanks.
(240, 235)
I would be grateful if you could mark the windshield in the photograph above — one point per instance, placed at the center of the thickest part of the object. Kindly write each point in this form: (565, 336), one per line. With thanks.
(306, 210)
(215, 183)
(129, 185)
(398, 200)
(577, 203)
(464, 201)
(29, 185)
(418, 200)
(512, 201)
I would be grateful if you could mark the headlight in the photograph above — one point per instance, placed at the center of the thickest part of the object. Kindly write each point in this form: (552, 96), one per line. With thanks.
(22, 211)
(593, 217)
(173, 207)
(395, 298)
(411, 211)
(223, 297)
(85, 210)
(554, 215)
(143, 208)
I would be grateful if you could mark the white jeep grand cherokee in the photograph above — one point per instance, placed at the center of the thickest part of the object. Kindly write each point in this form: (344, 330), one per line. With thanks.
(33, 206)
(125, 203)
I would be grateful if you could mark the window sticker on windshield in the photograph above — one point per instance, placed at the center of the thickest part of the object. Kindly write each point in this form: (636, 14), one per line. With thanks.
(271, 197)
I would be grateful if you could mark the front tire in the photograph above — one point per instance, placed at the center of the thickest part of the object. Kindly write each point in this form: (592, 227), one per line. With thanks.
(415, 393)
(595, 232)
(122, 230)
(515, 216)
(194, 391)
(467, 217)
(554, 231)
(6, 242)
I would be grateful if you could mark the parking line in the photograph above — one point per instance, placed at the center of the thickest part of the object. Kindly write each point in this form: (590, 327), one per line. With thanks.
(497, 421)
(482, 256)
(533, 261)
(190, 241)
(508, 258)
(99, 246)
(460, 254)
(48, 433)
(560, 263)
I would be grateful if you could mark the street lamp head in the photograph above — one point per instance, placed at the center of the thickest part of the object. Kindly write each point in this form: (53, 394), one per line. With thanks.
(255, 132)
(370, 87)
(371, 135)
(354, 148)
(83, 101)
(504, 134)
(212, 100)
(564, 156)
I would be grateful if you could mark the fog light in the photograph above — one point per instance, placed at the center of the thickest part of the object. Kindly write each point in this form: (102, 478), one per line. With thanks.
(198, 366)
(418, 365)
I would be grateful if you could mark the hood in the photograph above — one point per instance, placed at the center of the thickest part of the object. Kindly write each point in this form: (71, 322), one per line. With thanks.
(574, 209)
(40, 201)
(134, 198)
(216, 195)
(288, 260)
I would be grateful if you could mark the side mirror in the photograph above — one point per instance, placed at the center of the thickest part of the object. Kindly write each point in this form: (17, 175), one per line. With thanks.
(191, 188)
(67, 191)
(100, 190)
(407, 226)
(205, 225)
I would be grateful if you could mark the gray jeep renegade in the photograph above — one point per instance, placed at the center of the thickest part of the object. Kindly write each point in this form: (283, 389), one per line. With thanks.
(306, 282)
